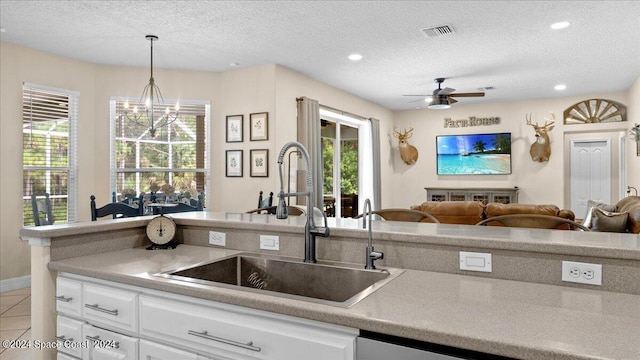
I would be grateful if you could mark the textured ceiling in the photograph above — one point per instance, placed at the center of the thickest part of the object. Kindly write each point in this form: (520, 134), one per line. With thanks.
(504, 44)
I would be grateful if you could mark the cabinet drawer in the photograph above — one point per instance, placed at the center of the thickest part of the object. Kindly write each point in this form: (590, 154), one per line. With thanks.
(69, 335)
(110, 306)
(69, 296)
(108, 345)
(63, 356)
(154, 351)
(242, 334)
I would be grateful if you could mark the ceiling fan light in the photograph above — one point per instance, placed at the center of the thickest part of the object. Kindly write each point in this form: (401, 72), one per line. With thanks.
(439, 103)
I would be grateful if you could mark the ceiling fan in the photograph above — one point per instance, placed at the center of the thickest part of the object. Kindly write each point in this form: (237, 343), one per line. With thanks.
(443, 98)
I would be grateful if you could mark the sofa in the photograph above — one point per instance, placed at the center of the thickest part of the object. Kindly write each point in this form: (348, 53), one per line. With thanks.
(473, 212)
(624, 216)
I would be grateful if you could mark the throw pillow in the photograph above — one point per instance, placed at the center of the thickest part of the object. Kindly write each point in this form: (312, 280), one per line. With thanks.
(595, 204)
(609, 221)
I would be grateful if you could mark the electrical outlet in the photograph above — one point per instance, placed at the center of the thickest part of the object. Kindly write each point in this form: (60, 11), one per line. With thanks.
(584, 273)
(217, 238)
(269, 242)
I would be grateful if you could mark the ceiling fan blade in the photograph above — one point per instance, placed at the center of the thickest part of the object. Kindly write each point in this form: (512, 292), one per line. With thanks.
(417, 95)
(474, 94)
(452, 101)
(445, 91)
(414, 101)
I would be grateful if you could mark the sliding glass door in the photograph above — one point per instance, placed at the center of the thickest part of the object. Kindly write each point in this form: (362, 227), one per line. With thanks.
(341, 163)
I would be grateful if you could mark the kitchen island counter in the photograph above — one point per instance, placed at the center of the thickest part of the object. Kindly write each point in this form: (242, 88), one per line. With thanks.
(509, 318)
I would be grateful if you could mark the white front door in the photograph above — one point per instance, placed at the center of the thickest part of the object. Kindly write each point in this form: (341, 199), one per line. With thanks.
(590, 174)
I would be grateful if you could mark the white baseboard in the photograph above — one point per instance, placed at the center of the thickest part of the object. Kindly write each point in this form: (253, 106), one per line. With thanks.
(15, 283)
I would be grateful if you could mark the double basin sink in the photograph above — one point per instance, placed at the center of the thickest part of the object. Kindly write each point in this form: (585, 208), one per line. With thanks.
(330, 283)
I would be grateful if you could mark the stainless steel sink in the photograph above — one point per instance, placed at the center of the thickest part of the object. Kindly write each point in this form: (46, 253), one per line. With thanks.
(336, 284)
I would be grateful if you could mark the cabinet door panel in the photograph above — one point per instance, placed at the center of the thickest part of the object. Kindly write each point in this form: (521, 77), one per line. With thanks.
(154, 351)
(63, 356)
(69, 296)
(69, 335)
(240, 335)
(108, 345)
(109, 306)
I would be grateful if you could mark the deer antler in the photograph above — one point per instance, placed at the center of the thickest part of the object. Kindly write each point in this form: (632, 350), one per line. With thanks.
(396, 133)
(408, 133)
(551, 121)
(528, 117)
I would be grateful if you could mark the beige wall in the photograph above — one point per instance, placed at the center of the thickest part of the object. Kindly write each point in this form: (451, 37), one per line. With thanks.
(241, 91)
(291, 85)
(122, 81)
(18, 65)
(272, 89)
(538, 182)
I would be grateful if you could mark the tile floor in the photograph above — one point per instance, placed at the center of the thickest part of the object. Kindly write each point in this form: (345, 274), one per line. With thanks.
(15, 322)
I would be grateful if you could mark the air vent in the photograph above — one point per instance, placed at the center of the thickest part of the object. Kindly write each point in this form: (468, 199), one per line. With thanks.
(438, 31)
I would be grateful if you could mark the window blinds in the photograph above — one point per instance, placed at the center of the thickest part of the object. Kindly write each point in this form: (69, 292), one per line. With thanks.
(48, 123)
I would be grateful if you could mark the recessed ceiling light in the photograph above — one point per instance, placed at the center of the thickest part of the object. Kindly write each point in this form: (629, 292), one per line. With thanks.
(560, 87)
(234, 64)
(355, 57)
(2, 29)
(560, 25)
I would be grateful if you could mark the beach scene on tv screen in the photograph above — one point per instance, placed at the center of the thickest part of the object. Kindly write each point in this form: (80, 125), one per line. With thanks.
(477, 154)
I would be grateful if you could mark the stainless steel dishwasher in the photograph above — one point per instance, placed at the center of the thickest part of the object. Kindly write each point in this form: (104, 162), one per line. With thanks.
(373, 346)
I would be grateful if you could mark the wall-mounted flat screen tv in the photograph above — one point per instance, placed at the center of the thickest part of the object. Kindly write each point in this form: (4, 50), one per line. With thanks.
(474, 154)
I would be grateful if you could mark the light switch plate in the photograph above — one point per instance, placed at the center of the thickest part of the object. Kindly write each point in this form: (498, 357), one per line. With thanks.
(269, 242)
(474, 261)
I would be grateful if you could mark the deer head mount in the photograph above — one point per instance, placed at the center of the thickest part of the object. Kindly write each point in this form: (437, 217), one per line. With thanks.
(635, 132)
(541, 149)
(408, 153)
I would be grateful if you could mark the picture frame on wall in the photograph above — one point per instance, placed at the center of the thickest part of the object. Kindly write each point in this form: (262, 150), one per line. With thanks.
(259, 126)
(259, 159)
(234, 163)
(235, 126)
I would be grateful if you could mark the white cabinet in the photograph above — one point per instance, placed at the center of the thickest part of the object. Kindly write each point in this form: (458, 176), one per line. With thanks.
(485, 195)
(154, 351)
(69, 296)
(63, 356)
(241, 334)
(110, 306)
(108, 345)
(176, 327)
(69, 336)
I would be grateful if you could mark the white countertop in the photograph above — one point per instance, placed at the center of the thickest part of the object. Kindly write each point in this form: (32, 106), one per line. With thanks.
(597, 244)
(517, 319)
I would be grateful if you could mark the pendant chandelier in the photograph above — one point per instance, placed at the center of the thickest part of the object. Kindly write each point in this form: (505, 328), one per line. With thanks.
(152, 114)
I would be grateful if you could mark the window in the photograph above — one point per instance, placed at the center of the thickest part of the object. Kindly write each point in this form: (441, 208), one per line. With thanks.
(344, 166)
(49, 118)
(173, 163)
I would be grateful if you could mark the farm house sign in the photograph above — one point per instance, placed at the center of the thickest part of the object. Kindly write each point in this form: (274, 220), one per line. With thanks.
(471, 121)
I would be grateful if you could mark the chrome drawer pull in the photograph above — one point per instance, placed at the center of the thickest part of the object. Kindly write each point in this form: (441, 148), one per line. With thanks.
(98, 308)
(204, 335)
(63, 338)
(62, 298)
(96, 338)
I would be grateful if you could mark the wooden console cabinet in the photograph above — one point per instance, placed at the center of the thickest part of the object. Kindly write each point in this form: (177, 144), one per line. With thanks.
(486, 195)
